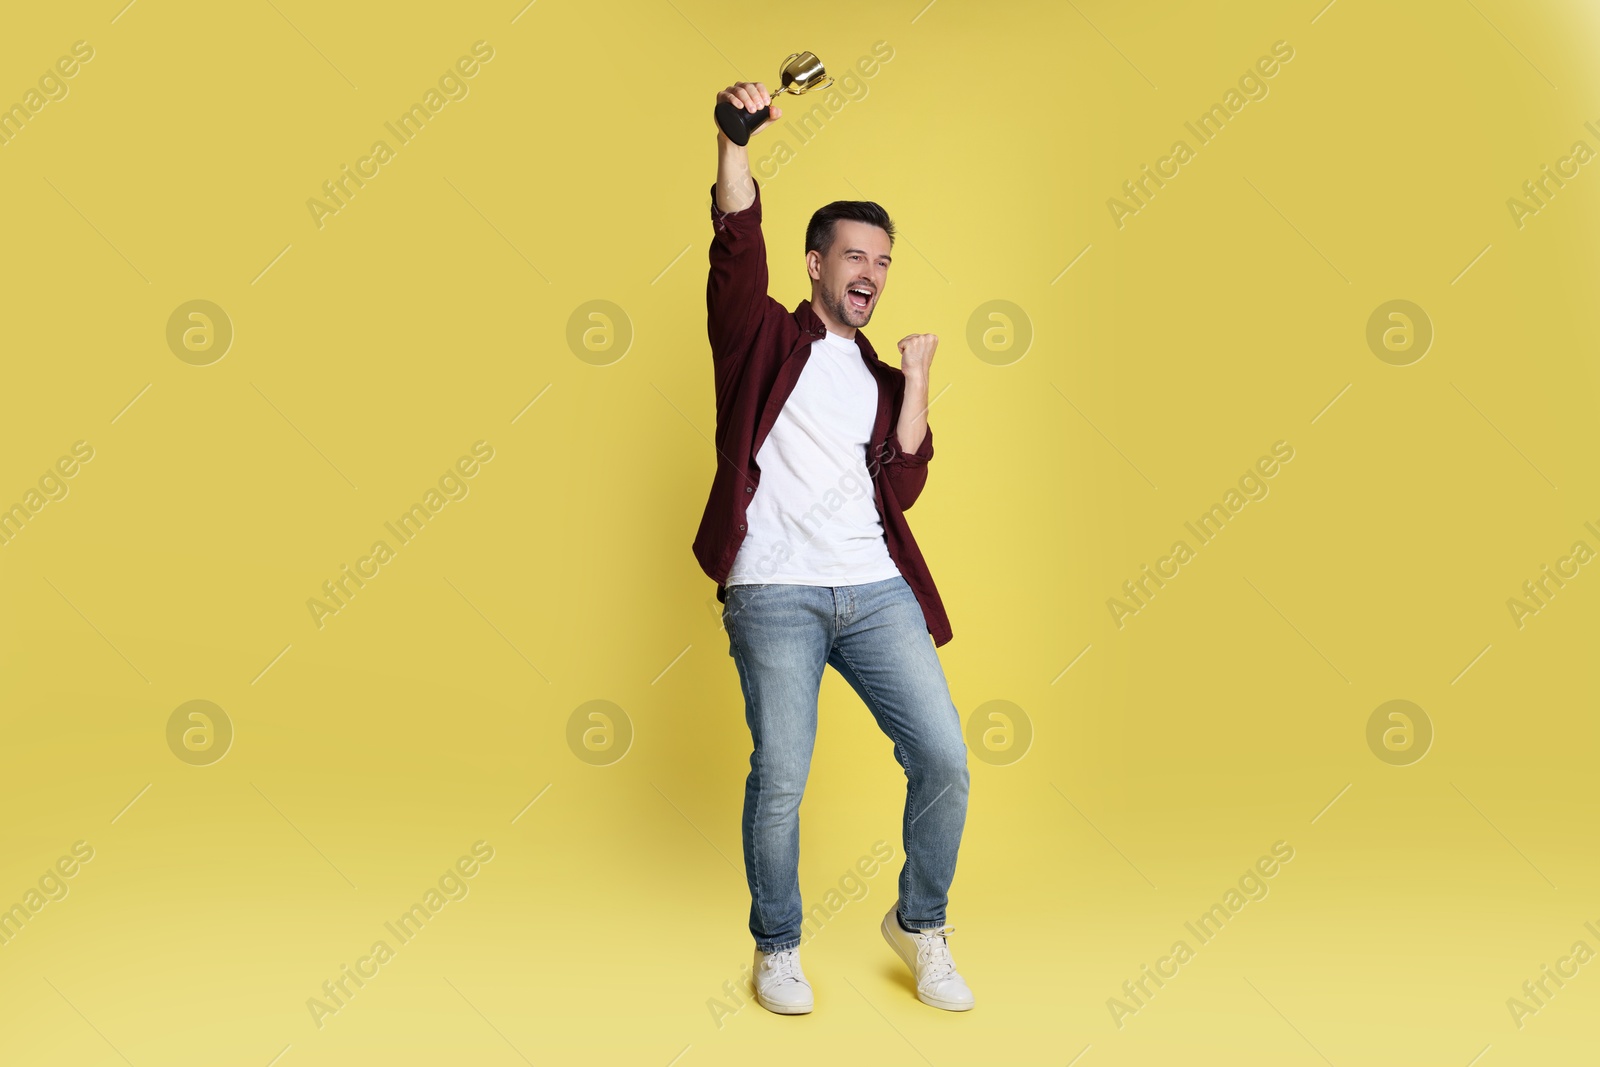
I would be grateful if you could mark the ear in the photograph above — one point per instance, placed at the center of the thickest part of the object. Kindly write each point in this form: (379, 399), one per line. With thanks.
(814, 264)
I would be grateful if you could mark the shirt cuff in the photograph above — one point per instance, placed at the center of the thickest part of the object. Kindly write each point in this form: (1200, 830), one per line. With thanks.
(753, 212)
(891, 453)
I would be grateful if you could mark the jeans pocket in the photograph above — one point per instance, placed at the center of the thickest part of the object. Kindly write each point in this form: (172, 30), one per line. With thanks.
(737, 603)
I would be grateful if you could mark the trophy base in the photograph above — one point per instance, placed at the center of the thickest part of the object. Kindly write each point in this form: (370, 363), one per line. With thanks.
(739, 124)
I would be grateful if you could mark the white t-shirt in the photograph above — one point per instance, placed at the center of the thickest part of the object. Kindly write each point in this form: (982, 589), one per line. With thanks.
(812, 520)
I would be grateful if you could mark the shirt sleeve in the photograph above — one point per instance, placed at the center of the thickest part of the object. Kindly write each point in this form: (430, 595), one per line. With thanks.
(907, 472)
(736, 287)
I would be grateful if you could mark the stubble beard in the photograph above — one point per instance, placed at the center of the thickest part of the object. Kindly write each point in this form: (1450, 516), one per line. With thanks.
(840, 306)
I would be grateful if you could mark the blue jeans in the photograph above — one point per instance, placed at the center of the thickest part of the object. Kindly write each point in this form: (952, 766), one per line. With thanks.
(875, 636)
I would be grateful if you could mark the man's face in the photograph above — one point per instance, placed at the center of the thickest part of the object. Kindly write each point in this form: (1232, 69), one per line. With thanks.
(851, 276)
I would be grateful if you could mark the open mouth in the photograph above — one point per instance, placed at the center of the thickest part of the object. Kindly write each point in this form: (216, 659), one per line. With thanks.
(859, 296)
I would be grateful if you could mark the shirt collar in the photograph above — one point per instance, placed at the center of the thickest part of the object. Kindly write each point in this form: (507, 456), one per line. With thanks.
(812, 326)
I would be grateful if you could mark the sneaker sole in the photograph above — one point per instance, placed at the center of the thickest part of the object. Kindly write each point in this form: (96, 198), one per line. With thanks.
(931, 1001)
(783, 1009)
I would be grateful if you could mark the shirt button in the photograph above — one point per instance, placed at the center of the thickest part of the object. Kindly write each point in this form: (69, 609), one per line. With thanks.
(741, 526)
(749, 489)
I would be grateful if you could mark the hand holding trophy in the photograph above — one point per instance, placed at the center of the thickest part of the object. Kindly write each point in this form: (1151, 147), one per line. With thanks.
(801, 73)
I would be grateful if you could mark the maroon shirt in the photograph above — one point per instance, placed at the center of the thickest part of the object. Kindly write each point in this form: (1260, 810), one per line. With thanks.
(758, 349)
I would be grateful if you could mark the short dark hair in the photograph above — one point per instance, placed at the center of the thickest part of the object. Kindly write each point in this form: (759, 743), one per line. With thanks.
(819, 232)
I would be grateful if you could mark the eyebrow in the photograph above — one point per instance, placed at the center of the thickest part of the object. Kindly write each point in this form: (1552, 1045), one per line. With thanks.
(863, 251)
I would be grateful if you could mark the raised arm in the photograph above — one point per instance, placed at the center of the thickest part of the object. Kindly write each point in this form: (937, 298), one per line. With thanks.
(735, 189)
(910, 444)
(736, 288)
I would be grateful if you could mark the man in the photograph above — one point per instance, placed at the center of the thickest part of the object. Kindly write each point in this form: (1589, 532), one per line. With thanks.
(805, 535)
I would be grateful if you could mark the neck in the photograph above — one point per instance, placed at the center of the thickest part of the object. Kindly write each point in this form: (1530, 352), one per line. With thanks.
(833, 324)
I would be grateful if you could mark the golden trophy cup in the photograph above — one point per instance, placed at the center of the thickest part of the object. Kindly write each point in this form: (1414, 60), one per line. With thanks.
(801, 73)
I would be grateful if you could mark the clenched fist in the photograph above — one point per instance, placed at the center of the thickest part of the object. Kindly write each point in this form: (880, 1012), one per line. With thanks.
(916, 353)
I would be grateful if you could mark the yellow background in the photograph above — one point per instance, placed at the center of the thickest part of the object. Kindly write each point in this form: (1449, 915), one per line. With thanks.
(427, 314)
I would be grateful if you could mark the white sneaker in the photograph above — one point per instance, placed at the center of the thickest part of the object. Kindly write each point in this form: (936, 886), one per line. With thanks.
(928, 955)
(781, 985)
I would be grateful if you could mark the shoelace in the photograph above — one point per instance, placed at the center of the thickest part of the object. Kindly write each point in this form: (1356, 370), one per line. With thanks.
(784, 966)
(933, 953)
